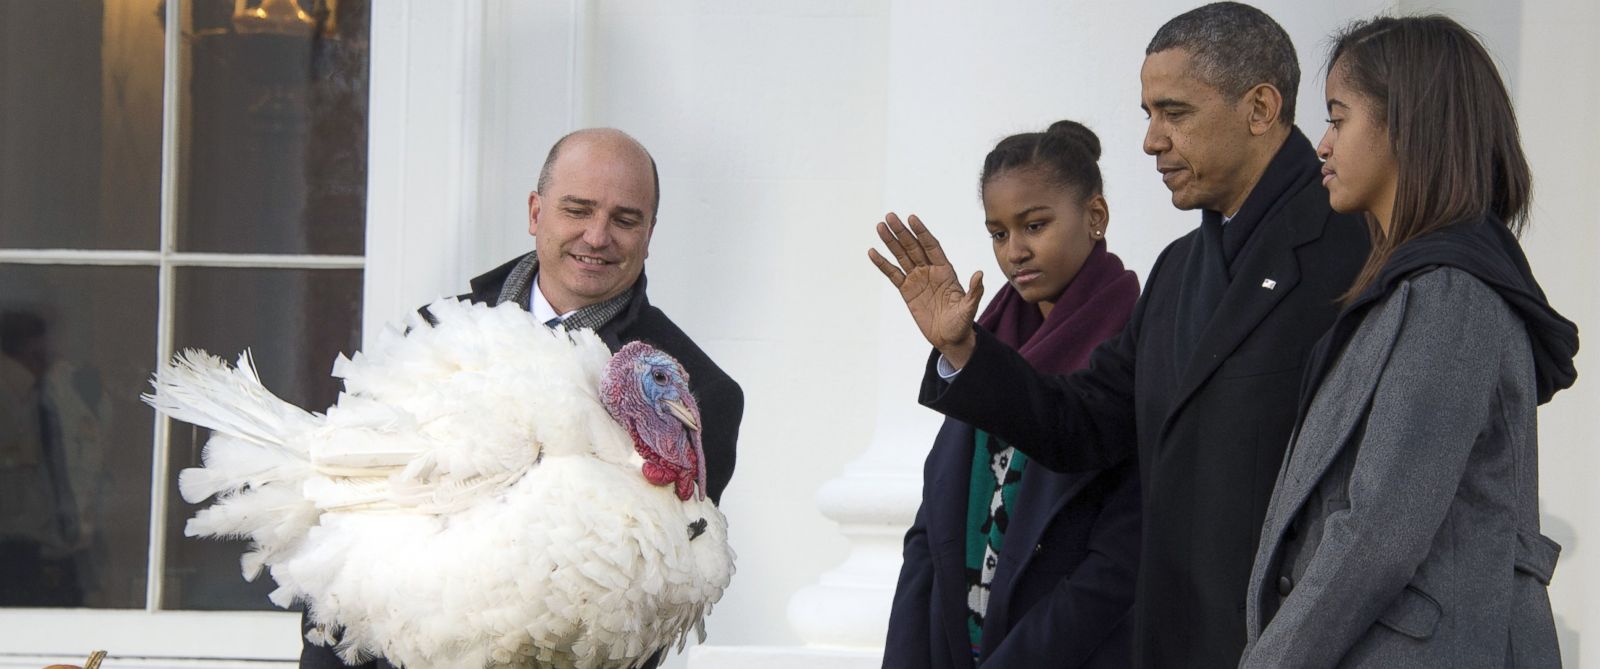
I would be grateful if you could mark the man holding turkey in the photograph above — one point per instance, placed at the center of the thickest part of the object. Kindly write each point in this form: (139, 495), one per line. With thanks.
(592, 216)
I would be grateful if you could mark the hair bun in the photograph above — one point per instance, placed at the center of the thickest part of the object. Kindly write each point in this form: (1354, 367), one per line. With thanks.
(1068, 152)
(1079, 133)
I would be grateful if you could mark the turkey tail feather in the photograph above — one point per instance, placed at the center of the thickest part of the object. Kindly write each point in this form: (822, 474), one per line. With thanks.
(252, 463)
(200, 388)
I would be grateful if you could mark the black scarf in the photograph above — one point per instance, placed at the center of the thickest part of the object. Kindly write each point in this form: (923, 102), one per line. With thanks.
(1209, 266)
(1488, 251)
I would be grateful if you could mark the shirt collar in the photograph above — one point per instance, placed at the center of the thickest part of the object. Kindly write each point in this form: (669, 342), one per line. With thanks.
(521, 288)
(542, 310)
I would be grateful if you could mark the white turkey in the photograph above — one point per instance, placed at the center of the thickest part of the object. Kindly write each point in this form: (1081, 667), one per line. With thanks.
(485, 492)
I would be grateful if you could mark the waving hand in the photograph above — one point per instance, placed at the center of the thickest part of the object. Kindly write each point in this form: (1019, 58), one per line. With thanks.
(928, 284)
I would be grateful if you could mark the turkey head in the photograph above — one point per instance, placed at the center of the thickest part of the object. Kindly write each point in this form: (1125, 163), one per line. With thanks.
(647, 391)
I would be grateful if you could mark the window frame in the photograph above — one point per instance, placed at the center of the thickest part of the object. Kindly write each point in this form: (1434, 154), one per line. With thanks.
(434, 220)
(152, 636)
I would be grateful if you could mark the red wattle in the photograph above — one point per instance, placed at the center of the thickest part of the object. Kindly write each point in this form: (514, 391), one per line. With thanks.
(657, 474)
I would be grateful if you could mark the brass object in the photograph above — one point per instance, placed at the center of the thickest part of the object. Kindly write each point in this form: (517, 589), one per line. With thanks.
(92, 663)
(275, 17)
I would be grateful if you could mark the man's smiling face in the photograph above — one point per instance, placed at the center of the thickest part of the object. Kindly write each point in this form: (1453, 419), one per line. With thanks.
(592, 226)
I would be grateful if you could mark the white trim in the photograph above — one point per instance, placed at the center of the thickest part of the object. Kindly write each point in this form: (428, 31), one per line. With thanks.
(172, 76)
(265, 260)
(78, 257)
(113, 662)
(423, 137)
(387, 146)
(465, 175)
(578, 64)
(177, 259)
(260, 635)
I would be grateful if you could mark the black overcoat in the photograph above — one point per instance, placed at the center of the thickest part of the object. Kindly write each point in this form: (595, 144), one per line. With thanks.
(1066, 576)
(1209, 433)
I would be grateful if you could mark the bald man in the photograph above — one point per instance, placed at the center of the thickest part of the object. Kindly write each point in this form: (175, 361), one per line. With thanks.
(591, 217)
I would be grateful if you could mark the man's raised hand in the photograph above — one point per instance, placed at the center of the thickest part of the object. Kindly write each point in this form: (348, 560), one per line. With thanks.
(929, 287)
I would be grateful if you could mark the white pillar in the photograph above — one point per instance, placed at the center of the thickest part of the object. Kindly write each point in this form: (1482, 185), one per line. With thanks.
(843, 617)
(873, 502)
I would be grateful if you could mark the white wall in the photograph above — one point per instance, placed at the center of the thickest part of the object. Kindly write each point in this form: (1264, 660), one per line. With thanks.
(767, 124)
(1554, 71)
(785, 129)
(1552, 65)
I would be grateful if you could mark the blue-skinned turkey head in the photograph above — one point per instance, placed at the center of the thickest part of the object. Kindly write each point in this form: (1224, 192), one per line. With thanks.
(647, 392)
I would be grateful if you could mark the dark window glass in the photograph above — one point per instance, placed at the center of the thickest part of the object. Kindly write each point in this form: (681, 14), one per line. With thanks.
(78, 344)
(80, 124)
(295, 322)
(275, 125)
(270, 159)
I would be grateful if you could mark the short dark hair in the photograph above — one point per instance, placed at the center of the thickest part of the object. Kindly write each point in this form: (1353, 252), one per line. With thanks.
(1067, 152)
(555, 151)
(1451, 126)
(1235, 47)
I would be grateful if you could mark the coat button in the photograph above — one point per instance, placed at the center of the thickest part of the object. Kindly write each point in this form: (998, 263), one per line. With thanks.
(1285, 586)
(1038, 547)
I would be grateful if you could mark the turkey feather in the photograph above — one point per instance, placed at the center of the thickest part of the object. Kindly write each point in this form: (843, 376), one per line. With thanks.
(467, 502)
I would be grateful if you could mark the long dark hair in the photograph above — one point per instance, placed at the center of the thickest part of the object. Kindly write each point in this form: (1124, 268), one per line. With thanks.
(1068, 152)
(1450, 123)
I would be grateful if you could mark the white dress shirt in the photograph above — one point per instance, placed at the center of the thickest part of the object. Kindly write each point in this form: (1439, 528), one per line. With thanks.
(540, 307)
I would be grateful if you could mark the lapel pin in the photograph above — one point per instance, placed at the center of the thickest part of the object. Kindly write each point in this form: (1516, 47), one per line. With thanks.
(1269, 284)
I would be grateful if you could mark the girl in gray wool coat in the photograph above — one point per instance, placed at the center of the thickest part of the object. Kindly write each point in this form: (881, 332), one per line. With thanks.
(1404, 528)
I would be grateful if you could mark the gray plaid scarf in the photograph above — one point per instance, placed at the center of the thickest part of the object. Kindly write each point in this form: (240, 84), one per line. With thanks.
(518, 288)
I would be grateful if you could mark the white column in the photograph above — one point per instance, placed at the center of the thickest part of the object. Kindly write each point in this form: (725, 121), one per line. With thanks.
(421, 141)
(873, 501)
(466, 98)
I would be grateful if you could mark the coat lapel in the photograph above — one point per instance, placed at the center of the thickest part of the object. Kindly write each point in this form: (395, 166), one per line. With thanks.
(1044, 493)
(946, 519)
(1339, 407)
(1267, 274)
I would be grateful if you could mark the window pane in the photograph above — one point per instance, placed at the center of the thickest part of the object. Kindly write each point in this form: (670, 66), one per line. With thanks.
(78, 344)
(80, 124)
(295, 322)
(275, 131)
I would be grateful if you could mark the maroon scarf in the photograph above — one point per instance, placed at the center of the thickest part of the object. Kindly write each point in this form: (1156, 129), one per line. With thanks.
(1094, 306)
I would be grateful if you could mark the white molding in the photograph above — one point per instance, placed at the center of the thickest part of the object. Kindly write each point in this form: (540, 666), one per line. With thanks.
(171, 165)
(422, 152)
(578, 63)
(782, 657)
(78, 257)
(461, 115)
(116, 662)
(154, 258)
(260, 635)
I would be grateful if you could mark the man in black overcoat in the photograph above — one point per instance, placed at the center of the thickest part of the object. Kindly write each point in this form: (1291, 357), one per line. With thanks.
(591, 218)
(1201, 385)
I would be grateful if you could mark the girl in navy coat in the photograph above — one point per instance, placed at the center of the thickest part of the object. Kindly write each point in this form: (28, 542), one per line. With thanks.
(1011, 565)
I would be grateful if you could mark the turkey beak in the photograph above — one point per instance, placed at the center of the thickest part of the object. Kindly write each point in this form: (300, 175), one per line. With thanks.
(683, 414)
